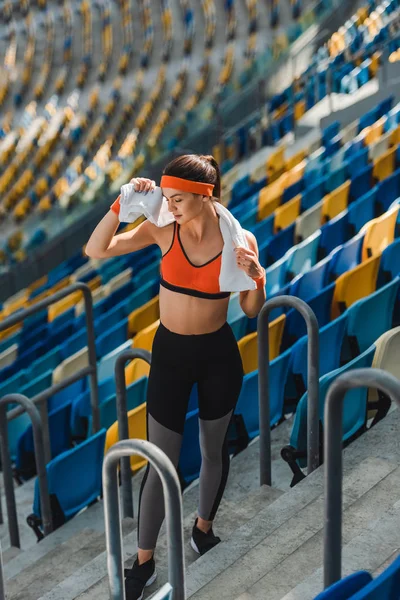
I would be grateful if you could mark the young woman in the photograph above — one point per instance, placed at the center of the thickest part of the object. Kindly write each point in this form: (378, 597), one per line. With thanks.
(193, 344)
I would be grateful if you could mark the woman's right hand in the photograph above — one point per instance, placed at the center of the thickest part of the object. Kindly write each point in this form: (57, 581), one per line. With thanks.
(142, 184)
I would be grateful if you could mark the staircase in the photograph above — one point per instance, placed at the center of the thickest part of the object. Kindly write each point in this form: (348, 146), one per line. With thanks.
(272, 536)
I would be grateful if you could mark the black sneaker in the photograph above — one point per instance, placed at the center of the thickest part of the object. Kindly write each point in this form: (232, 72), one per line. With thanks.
(139, 577)
(203, 542)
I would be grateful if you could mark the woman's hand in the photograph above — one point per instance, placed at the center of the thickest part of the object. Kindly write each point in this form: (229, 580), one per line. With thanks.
(247, 261)
(142, 184)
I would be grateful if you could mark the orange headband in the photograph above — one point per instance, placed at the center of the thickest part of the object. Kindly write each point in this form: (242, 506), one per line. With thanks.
(196, 187)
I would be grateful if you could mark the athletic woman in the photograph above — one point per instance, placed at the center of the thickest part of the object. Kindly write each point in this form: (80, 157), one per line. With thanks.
(193, 343)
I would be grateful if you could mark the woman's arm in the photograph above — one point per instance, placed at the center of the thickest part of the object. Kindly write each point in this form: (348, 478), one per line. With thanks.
(251, 301)
(104, 244)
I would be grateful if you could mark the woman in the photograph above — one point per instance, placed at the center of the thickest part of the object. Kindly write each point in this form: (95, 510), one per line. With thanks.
(193, 344)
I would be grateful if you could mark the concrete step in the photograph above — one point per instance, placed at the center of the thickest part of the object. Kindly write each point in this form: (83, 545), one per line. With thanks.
(91, 581)
(379, 539)
(360, 517)
(265, 542)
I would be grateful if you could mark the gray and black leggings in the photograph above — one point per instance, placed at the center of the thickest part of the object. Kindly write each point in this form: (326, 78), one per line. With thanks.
(213, 361)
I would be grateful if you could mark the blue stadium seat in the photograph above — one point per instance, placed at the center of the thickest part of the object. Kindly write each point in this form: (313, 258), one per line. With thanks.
(330, 132)
(135, 396)
(75, 477)
(346, 257)
(389, 265)
(81, 409)
(385, 587)
(276, 247)
(45, 363)
(60, 441)
(357, 162)
(313, 194)
(388, 191)
(330, 336)
(295, 326)
(345, 588)
(276, 275)
(304, 255)
(376, 310)
(333, 233)
(151, 273)
(308, 284)
(361, 184)
(354, 411)
(105, 366)
(361, 211)
(248, 405)
(335, 179)
(190, 457)
(263, 230)
(112, 338)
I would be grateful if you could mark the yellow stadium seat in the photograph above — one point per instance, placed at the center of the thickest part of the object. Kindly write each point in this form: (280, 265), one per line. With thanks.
(37, 284)
(295, 174)
(386, 356)
(137, 429)
(299, 109)
(395, 136)
(275, 164)
(248, 345)
(56, 309)
(384, 165)
(374, 132)
(286, 214)
(295, 160)
(138, 368)
(379, 233)
(270, 197)
(335, 202)
(354, 284)
(144, 316)
(7, 332)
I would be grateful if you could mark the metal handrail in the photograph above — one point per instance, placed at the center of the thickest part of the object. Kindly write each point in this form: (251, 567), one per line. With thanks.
(123, 427)
(312, 383)
(40, 461)
(357, 378)
(113, 526)
(91, 370)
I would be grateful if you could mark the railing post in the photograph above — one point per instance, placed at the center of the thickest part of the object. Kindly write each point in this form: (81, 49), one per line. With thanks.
(33, 413)
(2, 586)
(123, 429)
(333, 434)
(312, 383)
(91, 370)
(113, 527)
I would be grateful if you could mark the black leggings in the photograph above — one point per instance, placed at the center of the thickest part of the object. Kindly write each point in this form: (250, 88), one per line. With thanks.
(213, 361)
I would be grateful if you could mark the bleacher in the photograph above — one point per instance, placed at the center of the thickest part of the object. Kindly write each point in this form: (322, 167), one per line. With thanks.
(326, 218)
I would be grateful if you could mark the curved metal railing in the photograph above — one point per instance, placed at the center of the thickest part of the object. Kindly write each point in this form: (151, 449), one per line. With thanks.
(333, 433)
(123, 428)
(312, 383)
(113, 527)
(29, 407)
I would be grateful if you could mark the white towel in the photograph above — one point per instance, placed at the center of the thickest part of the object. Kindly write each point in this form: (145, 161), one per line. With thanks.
(152, 205)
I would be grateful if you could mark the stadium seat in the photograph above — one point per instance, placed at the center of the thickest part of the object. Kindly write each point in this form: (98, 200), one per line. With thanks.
(308, 222)
(361, 211)
(384, 165)
(113, 337)
(137, 368)
(276, 247)
(335, 202)
(135, 396)
(286, 214)
(308, 284)
(389, 267)
(346, 588)
(346, 257)
(137, 430)
(249, 349)
(276, 276)
(388, 191)
(355, 284)
(379, 233)
(248, 406)
(303, 256)
(74, 479)
(144, 316)
(354, 413)
(376, 310)
(386, 356)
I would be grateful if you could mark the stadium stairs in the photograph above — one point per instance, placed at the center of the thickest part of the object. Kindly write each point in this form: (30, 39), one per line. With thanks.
(272, 537)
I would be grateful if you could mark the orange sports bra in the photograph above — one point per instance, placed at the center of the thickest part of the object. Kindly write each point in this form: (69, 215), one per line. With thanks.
(178, 274)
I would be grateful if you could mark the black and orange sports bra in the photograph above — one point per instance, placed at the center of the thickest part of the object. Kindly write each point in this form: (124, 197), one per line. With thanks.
(178, 274)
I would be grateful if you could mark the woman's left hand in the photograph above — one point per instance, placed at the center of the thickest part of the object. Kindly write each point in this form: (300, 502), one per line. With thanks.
(247, 260)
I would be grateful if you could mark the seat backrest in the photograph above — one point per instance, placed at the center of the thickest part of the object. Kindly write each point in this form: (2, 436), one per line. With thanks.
(379, 147)
(144, 316)
(304, 255)
(334, 233)
(379, 233)
(354, 412)
(144, 339)
(384, 165)
(345, 588)
(278, 246)
(234, 308)
(355, 284)
(308, 284)
(345, 257)
(370, 317)
(309, 221)
(75, 476)
(71, 365)
(137, 429)
(286, 214)
(388, 190)
(276, 276)
(112, 338)
(330, 336)
(385, 587)
(248, 346)
(389, 266)
(264, 230)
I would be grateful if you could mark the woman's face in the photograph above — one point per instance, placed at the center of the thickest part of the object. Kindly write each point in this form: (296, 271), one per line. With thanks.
(184, 206)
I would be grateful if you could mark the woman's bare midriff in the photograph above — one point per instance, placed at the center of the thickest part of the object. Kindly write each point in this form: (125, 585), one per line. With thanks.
(188, 315)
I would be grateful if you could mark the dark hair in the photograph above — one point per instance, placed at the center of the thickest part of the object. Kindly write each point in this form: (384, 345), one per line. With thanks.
(196, 167)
